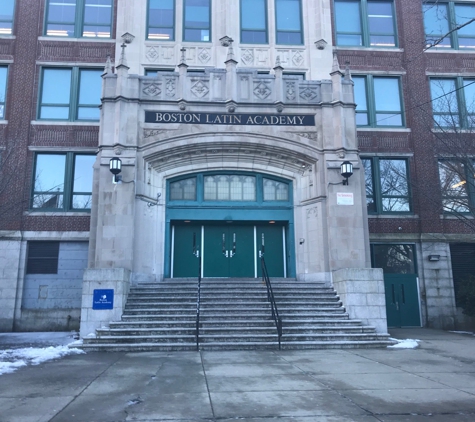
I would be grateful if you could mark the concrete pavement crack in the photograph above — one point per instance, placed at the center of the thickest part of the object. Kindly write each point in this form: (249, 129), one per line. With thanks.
(121, 355)
(207, 386)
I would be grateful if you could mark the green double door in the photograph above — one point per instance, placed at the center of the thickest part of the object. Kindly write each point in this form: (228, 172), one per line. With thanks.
(227, 250)
(402, 304)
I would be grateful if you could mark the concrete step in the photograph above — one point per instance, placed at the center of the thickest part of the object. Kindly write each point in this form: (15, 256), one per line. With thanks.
(188, 331)
(237, 338)
(139, 347)
(321, 329)
(171, 311)
(235, 314)
(191, 323)
(142, 338)
(344, 344)
(160, 305)
(331, 337)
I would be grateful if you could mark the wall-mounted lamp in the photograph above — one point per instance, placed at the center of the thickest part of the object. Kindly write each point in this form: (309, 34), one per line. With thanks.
(346, 170)
(434, 257)
(115, 167)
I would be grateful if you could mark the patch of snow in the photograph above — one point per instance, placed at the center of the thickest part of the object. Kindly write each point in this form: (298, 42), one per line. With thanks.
(91, 335)
(404, 344)
(463, 332)
(76, 343)
(12, 359)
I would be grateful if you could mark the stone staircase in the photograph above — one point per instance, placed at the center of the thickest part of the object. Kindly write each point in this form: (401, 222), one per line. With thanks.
(235, 315)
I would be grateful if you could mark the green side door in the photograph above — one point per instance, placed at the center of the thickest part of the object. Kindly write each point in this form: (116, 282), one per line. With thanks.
(270, 242)
(186, 250)
(402, 304)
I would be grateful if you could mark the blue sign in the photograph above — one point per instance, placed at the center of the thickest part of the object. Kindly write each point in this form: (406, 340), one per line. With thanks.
(103, 299)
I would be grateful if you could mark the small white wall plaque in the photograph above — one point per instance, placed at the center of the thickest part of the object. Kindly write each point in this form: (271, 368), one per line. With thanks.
(344, 198)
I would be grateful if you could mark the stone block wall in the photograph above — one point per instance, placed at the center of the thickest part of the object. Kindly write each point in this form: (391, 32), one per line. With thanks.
(117, 279)
(362, 292)
(10, 251)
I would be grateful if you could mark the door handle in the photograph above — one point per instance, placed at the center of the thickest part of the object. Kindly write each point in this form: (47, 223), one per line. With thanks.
(260, 254)
(223, 246)
(226, 254)
(233, 251)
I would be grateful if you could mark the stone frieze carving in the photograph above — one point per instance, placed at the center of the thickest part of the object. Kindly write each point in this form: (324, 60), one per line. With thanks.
(309, 93)
(262, 90)
(312, 213)
(200, 89)
(152, 54)
(148, 133)
(290, 91)
(247, 56)
(313, 136)
(170, 87)
(297, 59)
(152, 90)
(204, 55)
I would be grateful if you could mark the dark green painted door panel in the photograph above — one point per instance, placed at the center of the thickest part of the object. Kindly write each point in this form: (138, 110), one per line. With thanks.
(228, 251)
(187, 245)
(271, 236)
(402, 300)
(241, 246)
(215, 262)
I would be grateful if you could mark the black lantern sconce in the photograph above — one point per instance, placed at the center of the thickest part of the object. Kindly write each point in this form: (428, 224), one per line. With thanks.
(115, 167)
(346, 170)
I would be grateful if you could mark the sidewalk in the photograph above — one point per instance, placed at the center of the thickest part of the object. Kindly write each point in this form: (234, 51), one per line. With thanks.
(436, 379)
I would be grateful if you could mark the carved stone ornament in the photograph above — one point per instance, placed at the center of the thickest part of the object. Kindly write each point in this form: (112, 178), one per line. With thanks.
(204, 55)
(313, 136)
(199, 89)
(309, 94)
(261, 90)
(182, 106)
(152, 90)
(152, 54)
(247, 56)
(290, 91)
(118, 151)
(312, 212)
(147, 133)
(297, 59)
(170, 87)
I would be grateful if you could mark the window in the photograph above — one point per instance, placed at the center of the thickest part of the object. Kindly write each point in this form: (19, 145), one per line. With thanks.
(387, 188)
(378, 101)
(156, 72)
(394, 259)
(365, 23)
(457, 185)
(441, 20)
(62, 182)
(3, 90)
(78, 99)
(229, 188)
(254, 21)
(42, 258)
(453, 102)
(275, 191)
(288, 21)
(222, 187)
(161, 20)
(183, 190)
(197, 20)
(6, 16)
(79, 18)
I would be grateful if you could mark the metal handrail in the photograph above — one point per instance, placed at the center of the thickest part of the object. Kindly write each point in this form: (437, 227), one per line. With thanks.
(270, 296)
(198, 304)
